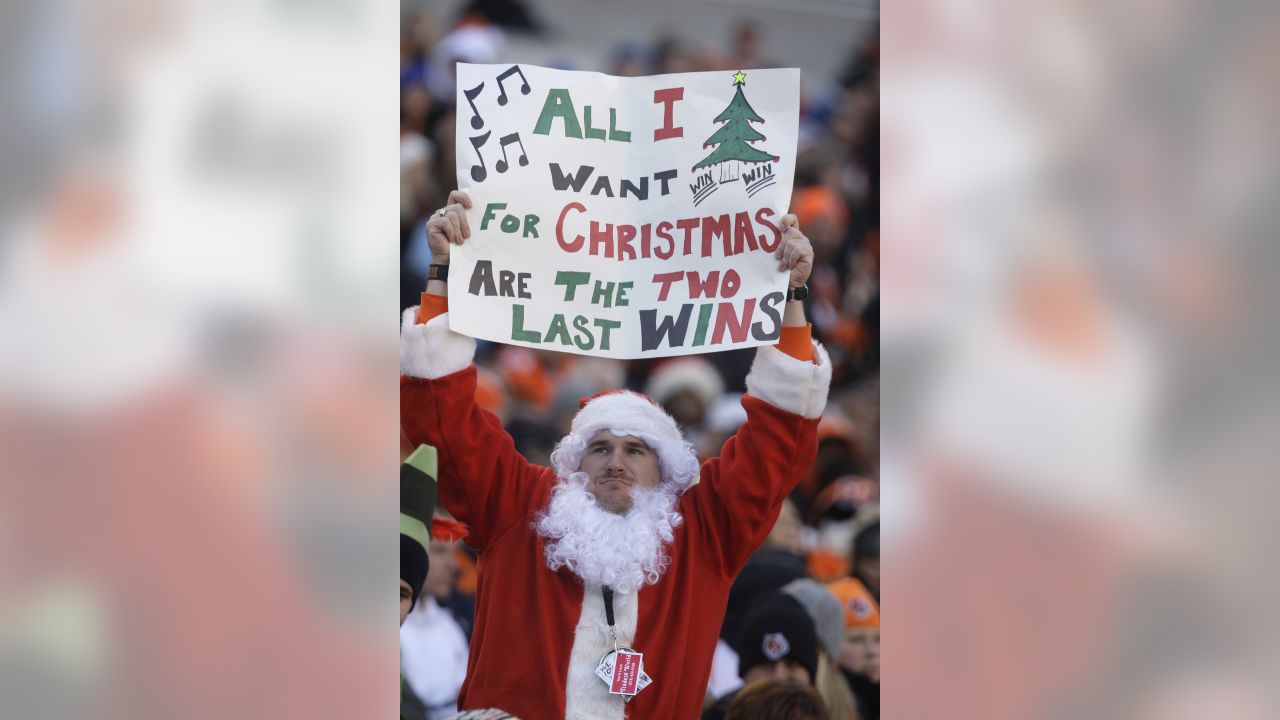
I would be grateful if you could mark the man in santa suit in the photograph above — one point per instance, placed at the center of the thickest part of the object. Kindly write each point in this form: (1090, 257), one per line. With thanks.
(624, 527)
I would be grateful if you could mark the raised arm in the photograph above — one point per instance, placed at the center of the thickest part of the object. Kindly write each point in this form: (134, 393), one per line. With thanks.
(742, 490)
(483, 481)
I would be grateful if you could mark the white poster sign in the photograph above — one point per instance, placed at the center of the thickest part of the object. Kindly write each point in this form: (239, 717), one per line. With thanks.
(623, 217)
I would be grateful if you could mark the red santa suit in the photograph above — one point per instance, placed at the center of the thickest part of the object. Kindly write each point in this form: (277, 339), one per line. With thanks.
(539, 634)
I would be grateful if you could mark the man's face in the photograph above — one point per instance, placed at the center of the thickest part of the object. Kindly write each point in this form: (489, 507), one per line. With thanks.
(786, 669)
(614, 465)
(406, 600)
(686, 408)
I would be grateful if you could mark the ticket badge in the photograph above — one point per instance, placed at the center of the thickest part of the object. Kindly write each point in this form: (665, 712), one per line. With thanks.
(623, 671)
(626, 673)
(645, 680)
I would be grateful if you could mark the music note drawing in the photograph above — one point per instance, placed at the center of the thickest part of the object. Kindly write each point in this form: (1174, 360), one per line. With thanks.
(476, 121)
(501, 165)
(478, 171)
(502, 91)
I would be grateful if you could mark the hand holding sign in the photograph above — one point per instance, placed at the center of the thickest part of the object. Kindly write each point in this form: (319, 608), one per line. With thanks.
(795, 253)
(448, 226)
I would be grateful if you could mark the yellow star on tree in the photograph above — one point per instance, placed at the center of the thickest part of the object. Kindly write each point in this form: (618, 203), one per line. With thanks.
(739, 78)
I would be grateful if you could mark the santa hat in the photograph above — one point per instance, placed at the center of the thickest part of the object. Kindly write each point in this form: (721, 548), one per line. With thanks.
(623, 413)
(691, 373)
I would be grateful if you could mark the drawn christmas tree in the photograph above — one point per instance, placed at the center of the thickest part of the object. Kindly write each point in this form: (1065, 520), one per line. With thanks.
(732, 138)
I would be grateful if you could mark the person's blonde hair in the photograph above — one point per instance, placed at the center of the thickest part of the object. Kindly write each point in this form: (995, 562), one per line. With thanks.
(835, 692)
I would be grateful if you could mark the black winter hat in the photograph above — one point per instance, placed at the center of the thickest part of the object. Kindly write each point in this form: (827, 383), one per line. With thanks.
(776, 627)
(765, 570)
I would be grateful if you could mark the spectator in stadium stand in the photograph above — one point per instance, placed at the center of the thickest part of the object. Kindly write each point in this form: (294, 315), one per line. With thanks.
(777, 700)
(615, 543)
(866, 558)
(685, 387)
(859, 658)
(776, 640)
(828, 621)
(775, 564)
(417, 502)
(433, 642)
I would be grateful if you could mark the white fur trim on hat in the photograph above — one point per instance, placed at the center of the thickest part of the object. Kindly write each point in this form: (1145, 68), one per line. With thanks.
(797, 386)
(629, 413)
(432, 350)
(625, 411)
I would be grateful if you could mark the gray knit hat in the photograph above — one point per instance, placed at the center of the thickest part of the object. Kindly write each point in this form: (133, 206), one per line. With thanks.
(824, 608)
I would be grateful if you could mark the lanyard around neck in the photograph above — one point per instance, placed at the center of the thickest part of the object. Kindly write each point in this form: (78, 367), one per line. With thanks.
(608, 614)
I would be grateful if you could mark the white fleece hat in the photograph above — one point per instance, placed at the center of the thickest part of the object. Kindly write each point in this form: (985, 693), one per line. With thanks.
(623, 412)
(626, 412)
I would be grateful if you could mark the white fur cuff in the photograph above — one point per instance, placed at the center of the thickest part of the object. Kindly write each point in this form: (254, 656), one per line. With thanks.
(432, 350)
(797, 386)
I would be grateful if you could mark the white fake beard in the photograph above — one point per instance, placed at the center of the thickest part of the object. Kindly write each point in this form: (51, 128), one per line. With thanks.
(624, 552)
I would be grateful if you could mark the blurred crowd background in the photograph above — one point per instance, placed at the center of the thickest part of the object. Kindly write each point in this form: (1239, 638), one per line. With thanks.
(536, 393)
(200, 204)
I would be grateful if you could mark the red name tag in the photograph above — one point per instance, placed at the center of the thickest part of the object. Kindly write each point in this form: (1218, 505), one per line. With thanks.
(626, 673)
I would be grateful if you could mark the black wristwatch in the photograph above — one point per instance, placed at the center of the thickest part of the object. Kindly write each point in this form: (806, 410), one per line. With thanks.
(438, 272)
(799, 293)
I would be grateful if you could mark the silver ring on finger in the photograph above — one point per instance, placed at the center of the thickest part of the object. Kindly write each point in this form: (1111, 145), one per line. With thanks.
(440, 212)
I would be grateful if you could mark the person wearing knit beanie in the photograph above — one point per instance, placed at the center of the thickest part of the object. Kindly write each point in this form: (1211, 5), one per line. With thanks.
(768, 569)
(417, 504)
(776, 639)
(828, 621)
(618, 557)
(825, 610)
(859, 658)
(860, 607)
